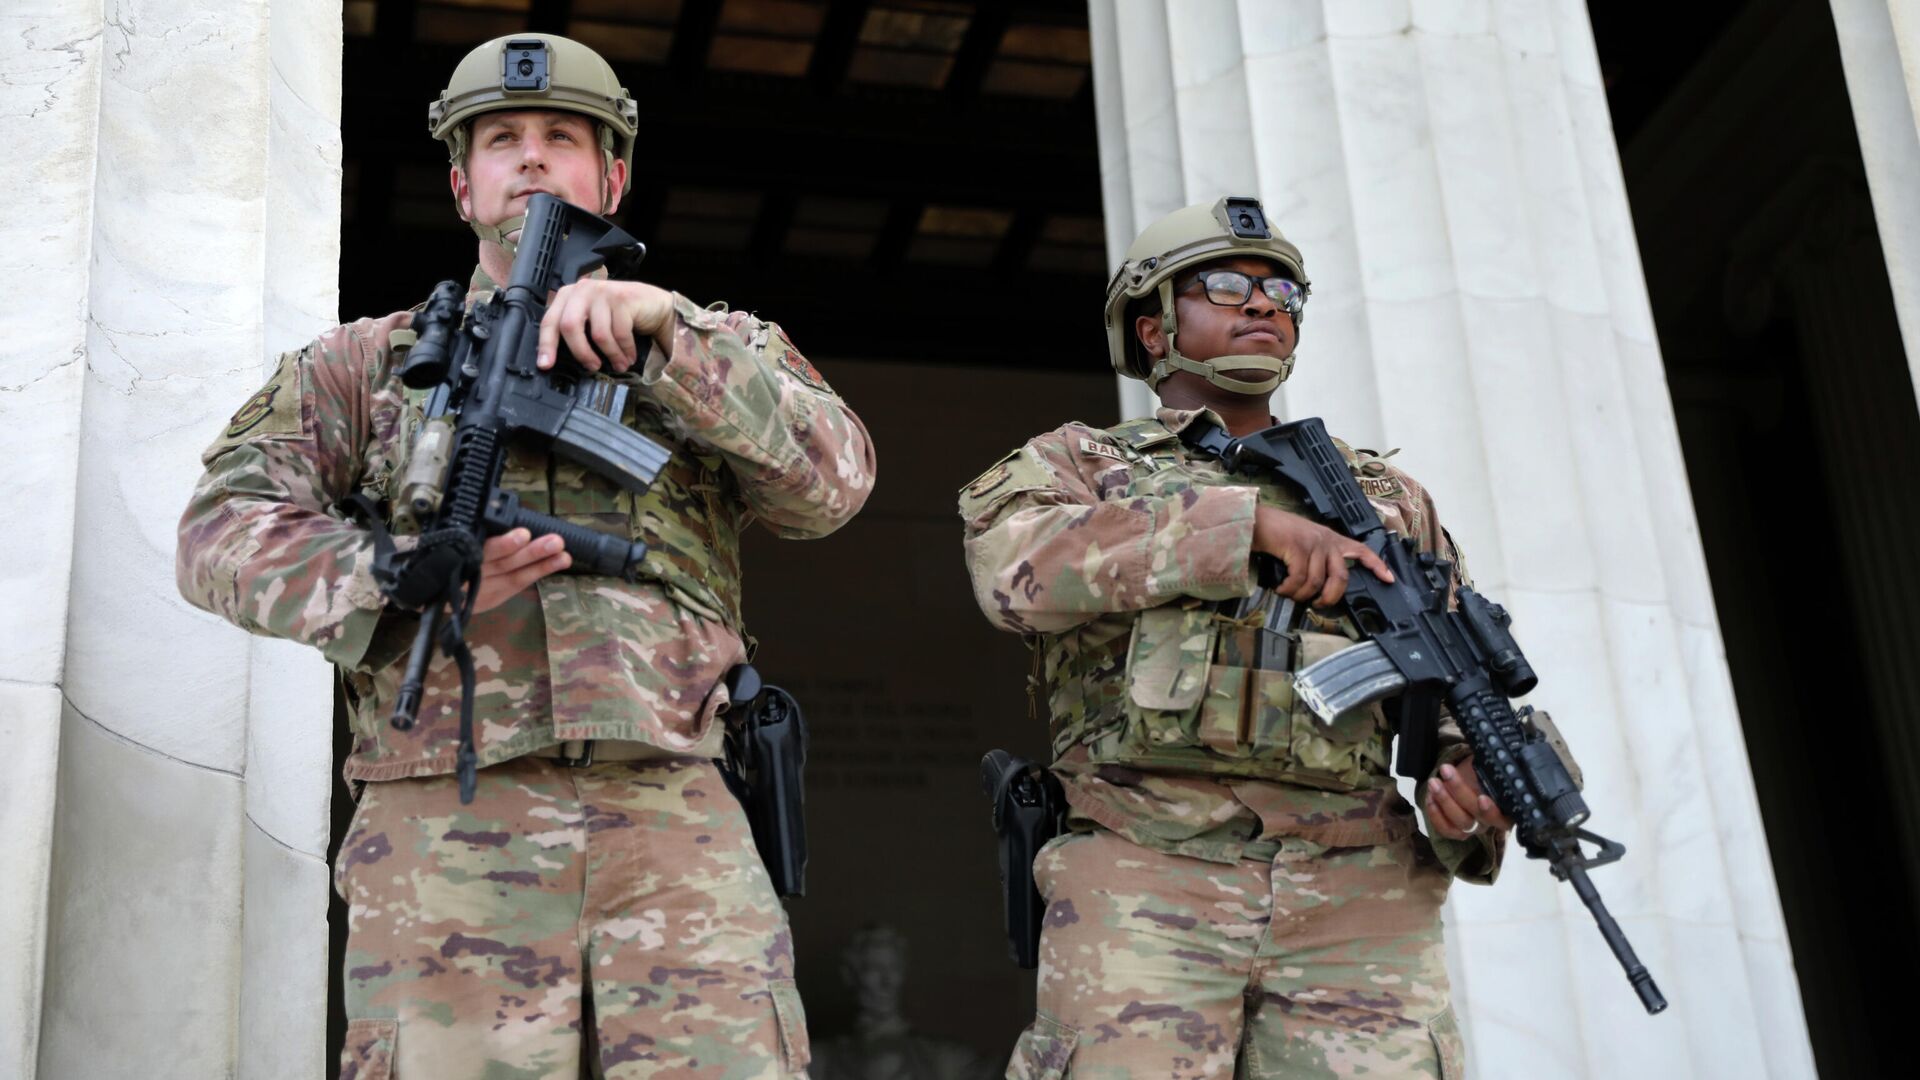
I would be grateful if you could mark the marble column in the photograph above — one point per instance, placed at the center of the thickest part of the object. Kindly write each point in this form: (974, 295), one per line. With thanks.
(49, 112)
(1880, 51)
(1449, 172)
(182, 228)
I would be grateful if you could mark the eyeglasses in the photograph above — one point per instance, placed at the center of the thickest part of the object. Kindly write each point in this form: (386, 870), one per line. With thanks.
(1231, 288)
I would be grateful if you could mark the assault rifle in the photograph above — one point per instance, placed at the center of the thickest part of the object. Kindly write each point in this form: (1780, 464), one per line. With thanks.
(1426, 654)
(487, 391)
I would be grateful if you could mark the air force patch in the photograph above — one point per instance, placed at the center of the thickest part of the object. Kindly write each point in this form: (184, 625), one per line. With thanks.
(1379, 487)
(275, 411)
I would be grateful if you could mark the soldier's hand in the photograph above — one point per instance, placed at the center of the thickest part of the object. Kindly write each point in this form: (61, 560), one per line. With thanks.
(512, 561)
(1456, 807)
(606, 322)
(1315, 556)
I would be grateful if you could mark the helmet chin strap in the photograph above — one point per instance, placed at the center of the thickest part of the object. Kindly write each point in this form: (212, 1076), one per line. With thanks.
(1215, 370)
(497, 234)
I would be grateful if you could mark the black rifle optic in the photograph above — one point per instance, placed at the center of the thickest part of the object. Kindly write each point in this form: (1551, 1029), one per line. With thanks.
(1426, 654)
(487, 392)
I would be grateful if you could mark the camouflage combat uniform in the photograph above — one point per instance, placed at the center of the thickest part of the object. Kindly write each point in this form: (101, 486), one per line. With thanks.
(477, 931)
(1242, 891)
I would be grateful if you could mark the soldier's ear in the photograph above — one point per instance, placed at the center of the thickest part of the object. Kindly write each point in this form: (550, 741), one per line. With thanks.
(616, 181)
(462, 193)
(1152, 338)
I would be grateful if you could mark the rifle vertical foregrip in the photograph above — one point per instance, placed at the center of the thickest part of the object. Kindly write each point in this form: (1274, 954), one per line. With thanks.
(592, 551)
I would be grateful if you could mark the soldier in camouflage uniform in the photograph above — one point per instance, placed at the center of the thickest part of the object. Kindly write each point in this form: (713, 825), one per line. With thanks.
(1242, 891)
(600, 906)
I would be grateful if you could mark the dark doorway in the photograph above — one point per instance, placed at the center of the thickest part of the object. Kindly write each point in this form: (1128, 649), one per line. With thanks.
(911, 189)
(1796, 414)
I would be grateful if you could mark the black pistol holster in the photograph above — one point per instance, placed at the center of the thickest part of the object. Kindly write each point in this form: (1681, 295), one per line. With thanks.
(1029, 809)
(766, 744)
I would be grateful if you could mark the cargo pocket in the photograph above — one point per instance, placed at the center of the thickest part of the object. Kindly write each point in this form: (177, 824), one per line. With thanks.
(788, 1014)
(1044, 1050)
(1167, 665)
(1447, 1045)
(1337, 755)
(369, 1049)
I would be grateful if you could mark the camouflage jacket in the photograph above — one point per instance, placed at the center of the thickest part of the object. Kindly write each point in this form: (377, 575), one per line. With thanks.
(1112, 549)
(756, 433)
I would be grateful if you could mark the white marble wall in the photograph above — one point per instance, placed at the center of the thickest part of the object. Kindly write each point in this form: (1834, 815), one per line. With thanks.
(49, 110)
(1449, 172)
(184, 226)
(1880, 52)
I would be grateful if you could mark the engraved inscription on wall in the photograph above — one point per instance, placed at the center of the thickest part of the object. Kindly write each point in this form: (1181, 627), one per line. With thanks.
(873, 732)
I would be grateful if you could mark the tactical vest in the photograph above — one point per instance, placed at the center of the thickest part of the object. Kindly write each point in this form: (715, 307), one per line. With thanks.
(1178, 688)
(688, 517)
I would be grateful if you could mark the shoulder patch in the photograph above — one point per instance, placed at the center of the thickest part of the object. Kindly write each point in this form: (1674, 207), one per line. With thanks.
(275, 411)
(1019, 471)
(798, 366)
(1380, 487)
(789, 358)
(985, 483)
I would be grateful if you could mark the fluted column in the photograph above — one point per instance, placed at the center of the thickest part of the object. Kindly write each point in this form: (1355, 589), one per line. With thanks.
(1449, 172)
(1880, 51)
(49, 112)
(179, 226)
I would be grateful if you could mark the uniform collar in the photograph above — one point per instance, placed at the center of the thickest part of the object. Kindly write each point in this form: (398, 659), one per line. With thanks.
(480, 286)
(1178, 420)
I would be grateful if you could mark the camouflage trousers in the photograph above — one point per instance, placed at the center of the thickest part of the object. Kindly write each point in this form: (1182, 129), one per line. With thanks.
(1319, 962)
(622, 903)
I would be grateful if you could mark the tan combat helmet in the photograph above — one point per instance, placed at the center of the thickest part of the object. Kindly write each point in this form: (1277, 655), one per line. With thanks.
(1202, 233)
(535, 71)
